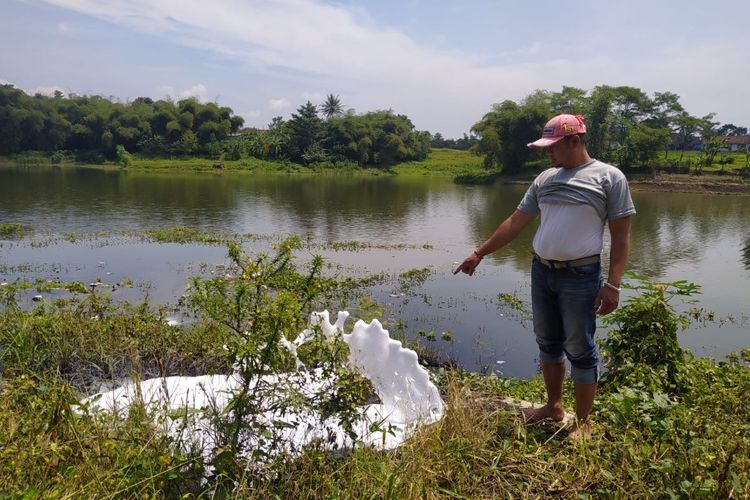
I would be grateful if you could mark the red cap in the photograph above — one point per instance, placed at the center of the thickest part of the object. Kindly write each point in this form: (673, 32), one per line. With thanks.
(558, 128)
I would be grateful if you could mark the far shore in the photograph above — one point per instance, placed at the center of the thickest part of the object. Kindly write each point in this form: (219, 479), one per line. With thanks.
(440, 163)
(674, 183)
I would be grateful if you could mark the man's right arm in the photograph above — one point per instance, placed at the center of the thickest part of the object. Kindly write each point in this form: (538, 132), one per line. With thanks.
(504, 234)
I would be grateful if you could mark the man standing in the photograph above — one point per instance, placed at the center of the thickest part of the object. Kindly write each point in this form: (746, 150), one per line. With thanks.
(575, 198)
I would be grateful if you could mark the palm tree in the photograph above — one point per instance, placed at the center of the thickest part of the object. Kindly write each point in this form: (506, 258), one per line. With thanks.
(331, 106)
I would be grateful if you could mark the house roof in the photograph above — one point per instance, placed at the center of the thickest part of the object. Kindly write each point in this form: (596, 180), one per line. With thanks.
(735, 139)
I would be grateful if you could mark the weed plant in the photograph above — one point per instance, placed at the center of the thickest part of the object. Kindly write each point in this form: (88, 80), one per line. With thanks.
(13, 231)
(667, 425)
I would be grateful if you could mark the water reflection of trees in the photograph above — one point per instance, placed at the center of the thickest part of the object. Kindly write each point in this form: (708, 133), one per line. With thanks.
(673, 227)
(488, 209)
(135, 198)
(333, 207)
(669, 227)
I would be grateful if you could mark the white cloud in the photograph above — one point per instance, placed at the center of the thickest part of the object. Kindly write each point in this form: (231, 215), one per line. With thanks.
(199, 91)
(335, 46)
(46, 90)
(278, 104)
(251, 114)
(63, 28)
(167, 90)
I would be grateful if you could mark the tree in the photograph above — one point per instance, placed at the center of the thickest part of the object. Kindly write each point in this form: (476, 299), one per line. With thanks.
(647, 141)
(729, 129)
(687, 127)
(305, 129)
(598, 121)
(708, 126)
(629, 106)
(94, 124)
(664, 115)
(571, 100)
(379, 138)
(277, 122)
(331, 106)
(506, 130)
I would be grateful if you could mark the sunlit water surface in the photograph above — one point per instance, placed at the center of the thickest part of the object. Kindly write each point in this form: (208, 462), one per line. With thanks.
(701, 238)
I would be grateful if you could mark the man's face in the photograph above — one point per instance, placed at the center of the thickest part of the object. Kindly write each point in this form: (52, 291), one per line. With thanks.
(561, 152)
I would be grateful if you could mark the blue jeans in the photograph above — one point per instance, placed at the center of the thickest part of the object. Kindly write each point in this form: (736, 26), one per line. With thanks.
(565, 317)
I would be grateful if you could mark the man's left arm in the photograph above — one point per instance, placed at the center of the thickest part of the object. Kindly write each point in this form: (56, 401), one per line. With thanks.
(608, 298)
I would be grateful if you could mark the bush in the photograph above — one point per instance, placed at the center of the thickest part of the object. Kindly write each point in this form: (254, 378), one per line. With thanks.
(123, 158)
(645, 339)
(61, 156)
(262, 301)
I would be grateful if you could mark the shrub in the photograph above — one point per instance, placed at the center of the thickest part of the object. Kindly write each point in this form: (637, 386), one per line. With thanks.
(61, 156)
(123, 158)
(264, 300)
(644, 345)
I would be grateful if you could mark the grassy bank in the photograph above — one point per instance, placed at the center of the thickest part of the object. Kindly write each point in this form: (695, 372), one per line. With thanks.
(666, 424)
(446, 162)
(449, 162)
(466, 168)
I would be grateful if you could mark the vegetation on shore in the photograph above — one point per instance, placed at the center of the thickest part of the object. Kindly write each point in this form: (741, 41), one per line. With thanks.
(726, 175)
(667, 425)
(93, 128)
(626, 127)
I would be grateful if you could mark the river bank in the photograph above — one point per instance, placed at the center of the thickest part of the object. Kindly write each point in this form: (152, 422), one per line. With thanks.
(464, 166)
(672, 183)
(665, 426)
(685, 183)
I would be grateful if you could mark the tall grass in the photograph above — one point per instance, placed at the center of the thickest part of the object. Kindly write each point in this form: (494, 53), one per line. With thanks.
(655, 437)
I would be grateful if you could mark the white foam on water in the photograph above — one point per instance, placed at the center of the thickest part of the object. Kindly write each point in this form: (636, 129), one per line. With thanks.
(184, 406)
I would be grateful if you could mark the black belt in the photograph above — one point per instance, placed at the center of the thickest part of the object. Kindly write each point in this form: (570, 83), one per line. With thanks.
(562, 264)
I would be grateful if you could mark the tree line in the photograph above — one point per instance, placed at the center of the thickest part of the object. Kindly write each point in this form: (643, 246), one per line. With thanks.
(92, 128)
(375, 138)
(625, 126)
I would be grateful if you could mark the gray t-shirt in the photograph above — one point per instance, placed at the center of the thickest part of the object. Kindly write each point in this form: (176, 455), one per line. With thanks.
(574, 204)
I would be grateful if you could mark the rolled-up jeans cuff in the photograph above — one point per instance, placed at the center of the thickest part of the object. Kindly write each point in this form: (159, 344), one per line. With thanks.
(558, 359)
(585, 375)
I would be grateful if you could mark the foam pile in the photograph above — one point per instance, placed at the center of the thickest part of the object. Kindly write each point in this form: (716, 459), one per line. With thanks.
(187, 407)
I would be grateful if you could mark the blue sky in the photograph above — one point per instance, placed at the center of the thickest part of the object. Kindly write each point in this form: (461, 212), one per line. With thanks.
(442, 63)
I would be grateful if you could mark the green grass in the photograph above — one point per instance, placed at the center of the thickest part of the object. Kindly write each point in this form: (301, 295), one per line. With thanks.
(203, 164)
(443, 162)
(446, 162)
(13, 231)
(479, 450)
(725, 162)
(184, 234)
(647, 444)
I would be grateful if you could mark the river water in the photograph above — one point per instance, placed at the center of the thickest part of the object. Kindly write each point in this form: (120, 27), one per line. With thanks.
(697, 237)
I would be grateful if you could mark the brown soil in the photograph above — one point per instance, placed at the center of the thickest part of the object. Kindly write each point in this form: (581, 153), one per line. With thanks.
(674, 183)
